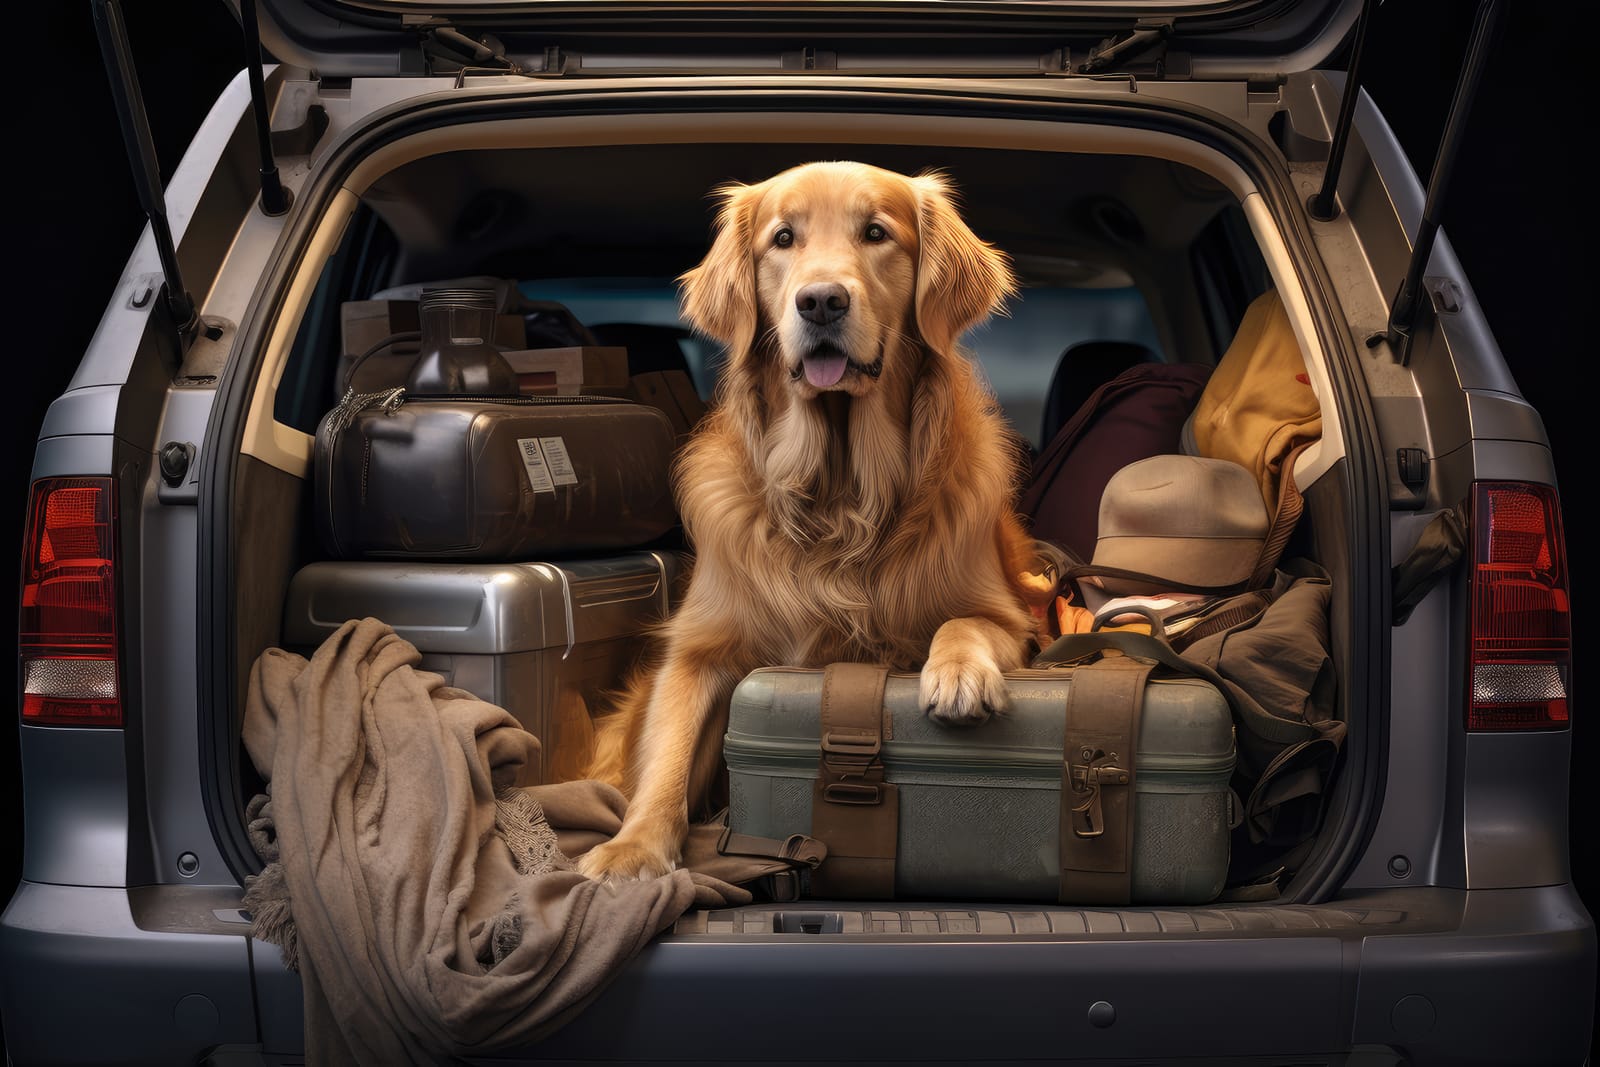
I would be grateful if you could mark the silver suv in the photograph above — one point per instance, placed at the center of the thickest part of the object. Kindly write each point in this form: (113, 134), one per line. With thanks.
(1151, 168)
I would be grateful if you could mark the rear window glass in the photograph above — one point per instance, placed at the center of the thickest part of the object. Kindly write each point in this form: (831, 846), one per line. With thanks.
(1018, 351)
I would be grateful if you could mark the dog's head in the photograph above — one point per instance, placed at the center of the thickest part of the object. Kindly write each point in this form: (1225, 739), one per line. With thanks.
(834, 264)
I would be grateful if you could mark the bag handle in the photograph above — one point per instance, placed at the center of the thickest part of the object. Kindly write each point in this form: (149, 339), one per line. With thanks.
(1158, 629)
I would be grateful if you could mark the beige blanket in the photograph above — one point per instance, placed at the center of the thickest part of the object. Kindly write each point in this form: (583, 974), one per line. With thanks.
(424, 897)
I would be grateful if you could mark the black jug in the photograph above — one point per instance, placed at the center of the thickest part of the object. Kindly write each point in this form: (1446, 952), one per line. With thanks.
(458, 353)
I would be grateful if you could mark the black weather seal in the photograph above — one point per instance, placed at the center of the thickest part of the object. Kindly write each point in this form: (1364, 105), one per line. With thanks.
(1403, 312)
(118, 54)
(275, 198)
(1322, 206)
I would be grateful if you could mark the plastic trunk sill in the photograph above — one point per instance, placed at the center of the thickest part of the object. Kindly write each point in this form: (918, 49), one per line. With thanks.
(898, 920)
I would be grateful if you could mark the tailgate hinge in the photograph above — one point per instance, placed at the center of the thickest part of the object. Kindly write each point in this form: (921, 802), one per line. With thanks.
(447, 50)
(1146, 34)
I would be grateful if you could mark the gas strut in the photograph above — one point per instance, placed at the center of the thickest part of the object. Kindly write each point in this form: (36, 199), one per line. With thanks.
(1404, 309)
(113, 34)
(1322, 206)
(274, 197)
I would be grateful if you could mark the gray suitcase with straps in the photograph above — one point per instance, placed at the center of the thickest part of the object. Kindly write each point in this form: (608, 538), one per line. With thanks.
(911, 808)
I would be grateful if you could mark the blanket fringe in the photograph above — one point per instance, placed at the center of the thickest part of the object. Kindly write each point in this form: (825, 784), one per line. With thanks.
(266, 899)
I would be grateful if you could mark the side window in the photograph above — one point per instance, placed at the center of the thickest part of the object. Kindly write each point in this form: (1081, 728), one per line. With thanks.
(1229, 272)
(1055, 339)
(361, 265)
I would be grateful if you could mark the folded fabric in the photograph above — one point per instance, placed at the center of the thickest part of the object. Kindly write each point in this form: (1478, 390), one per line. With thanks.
(426, 897)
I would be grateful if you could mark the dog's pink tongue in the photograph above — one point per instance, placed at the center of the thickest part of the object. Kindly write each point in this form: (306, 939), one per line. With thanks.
(823, 371)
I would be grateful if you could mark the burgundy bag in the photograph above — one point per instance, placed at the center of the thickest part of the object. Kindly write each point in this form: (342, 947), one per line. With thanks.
(1136, 415)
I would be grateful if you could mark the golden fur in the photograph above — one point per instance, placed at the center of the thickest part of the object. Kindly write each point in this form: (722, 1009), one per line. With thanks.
(866, 519)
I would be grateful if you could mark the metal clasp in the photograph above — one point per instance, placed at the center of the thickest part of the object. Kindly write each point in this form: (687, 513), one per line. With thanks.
(1097, 769)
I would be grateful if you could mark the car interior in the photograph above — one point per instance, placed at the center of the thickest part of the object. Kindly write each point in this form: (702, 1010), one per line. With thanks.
(1120, 249)
(1122, 258)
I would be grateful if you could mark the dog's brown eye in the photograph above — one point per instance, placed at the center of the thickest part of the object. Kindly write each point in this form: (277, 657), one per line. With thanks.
(783, 238)
(874, 232)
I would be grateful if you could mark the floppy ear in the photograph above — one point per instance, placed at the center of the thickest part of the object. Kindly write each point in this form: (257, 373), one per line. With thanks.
(719, 295)
(961, 279)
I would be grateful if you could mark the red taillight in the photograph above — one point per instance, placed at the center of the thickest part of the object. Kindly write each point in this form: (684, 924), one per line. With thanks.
(1521, 641)
(68, 626)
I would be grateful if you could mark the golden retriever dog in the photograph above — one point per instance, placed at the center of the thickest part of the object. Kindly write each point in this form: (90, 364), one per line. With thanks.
(850, 495)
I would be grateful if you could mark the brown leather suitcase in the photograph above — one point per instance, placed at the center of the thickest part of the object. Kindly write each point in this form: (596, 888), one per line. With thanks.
(490, 477)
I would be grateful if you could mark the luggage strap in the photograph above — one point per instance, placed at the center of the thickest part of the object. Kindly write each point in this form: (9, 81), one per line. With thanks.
(853, 810)
(799, 854)
(1104, 704)
(796, 849)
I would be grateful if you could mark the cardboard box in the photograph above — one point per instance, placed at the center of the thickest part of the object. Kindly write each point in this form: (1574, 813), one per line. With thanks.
(673, 393)
(589, 369)
(363, 323)
(686, 395)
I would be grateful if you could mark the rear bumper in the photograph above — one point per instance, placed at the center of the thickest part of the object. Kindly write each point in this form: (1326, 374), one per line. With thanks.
(1437, 976)
(82, 982)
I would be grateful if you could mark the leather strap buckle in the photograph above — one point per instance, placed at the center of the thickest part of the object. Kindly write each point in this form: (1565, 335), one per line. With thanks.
(851, 745)
(851, 793)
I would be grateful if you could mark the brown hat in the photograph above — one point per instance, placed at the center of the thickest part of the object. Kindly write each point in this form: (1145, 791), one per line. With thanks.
(1190, 520)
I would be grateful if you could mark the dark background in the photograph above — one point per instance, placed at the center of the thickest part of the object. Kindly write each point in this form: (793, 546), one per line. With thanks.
(1514, 214)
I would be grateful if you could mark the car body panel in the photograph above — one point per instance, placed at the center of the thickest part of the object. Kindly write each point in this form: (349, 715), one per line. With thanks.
(1325, 980)
(1478, 952)
(1214, 39)
(83, 983)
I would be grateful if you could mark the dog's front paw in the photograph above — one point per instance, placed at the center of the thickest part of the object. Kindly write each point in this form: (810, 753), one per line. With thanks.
(621, 860)
(962, 691)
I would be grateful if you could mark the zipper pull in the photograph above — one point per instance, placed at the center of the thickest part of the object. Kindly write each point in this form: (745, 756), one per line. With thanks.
(353, 404)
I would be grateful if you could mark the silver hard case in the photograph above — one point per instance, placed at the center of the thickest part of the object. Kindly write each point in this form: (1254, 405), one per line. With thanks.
(545, 641)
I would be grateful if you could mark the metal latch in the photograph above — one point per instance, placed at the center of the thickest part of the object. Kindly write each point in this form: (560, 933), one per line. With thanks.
(809, 58)
(1097, 769)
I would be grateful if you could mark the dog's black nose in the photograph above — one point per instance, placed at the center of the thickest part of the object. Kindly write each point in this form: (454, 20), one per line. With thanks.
(823, 302)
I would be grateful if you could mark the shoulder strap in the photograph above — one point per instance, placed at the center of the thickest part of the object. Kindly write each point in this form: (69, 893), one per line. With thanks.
(1071, 649)
(853, 810)
(1104, 704)
(1285, 516)
(1077, 573)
